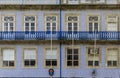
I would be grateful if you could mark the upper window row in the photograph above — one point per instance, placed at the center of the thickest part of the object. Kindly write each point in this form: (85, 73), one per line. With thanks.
(51, 22)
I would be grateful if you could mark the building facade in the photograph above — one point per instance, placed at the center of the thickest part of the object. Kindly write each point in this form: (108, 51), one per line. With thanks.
(75, 38)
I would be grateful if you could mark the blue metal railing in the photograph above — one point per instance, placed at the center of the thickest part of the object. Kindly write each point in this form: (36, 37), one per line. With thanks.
(60, 35)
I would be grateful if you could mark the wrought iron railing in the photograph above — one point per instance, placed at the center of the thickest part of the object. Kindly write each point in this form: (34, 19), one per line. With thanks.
(60, 35)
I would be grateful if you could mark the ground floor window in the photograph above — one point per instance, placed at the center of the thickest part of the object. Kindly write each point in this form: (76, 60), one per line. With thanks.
(112, 57)
(8, 57)
(72, 57)
(51, 57)
(93, 57)
(30, 57)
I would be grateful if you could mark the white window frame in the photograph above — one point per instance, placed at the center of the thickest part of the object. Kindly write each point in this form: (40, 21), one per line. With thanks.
(51, 66)
(112, 20)
(36, 58)
(92, 54)
(66, 60)
(107, 55)
(29, 22)
(72, 22)
(51, 22)
(8, 22)
(93, 23)
(14, 60)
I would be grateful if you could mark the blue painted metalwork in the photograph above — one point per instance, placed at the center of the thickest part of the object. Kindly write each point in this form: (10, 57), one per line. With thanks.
(59, 35)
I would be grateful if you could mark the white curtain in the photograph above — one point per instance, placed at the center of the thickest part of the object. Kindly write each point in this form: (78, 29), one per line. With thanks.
(112, 22)
(51, 54)
(112, 55)
(8, 54)
(29, 54)
(95, 58)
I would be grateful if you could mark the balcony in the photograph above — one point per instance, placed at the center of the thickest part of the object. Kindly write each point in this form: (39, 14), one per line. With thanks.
(60, 35)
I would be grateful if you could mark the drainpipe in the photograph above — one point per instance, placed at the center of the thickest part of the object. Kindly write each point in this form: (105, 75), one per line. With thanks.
(60, 42)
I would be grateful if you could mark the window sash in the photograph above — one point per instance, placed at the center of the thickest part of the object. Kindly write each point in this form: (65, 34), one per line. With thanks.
(70, 57)
(29, 23)
(51, 21)
(93, 23)
(8, 22)
(72, 20)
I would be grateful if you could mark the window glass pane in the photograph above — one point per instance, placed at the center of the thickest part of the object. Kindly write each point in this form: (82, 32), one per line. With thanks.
(11, 24)
(48, 24)
(90, 63)
(48, 63)
(32, 63)
(69, 63)
(75, 51)
(69, 57)
(11, 28)
(69, 28)
(75, 57)
(26, 62)
(32, 24)
(5, 63)
(75, 18)
(53, 18)
(69, 18)
(109, 63)
(53, 24)
(48, 28)
(11, 63)
(5, 24)
(5, 28)
(90, 28)
(114, 63)
(96, 63)
(75, 28)
(48, 18)
(54, 63)
(29, 18)
(69, 51)
(75, 63)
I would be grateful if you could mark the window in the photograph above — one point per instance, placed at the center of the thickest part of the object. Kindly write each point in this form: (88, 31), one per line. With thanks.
(112, 57)
(72, 22)
(93, 57)
(112, 23)
(29, 23)
(70, 1)
(51, 57)
(73, 1)
(8, 57)
(95, 1)
(51, 22)
(30, 57)
(72, 57)
(8, 23)
(93, 23)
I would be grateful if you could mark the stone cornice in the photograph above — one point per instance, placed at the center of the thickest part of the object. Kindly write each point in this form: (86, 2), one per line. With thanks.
(58, 7)
(91, 42)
